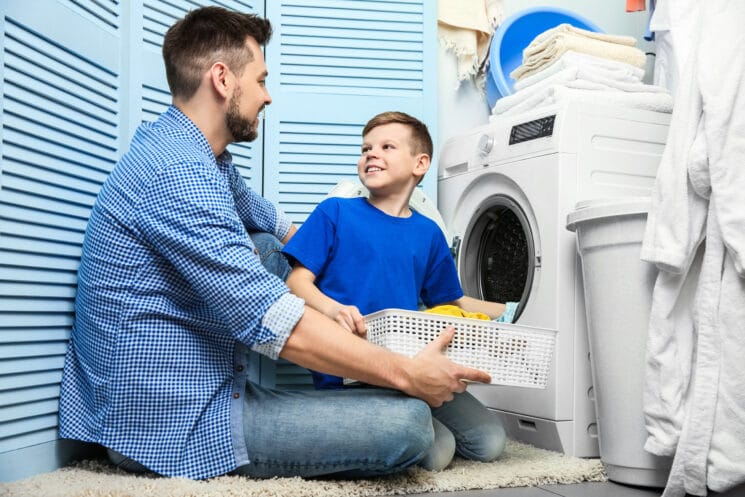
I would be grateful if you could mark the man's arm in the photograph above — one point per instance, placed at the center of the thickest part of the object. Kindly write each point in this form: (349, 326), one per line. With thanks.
(318, 343)
(257, 212)
(301, 282)
(470, 304)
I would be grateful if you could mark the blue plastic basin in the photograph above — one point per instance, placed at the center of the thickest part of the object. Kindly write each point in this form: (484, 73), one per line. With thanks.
(514, 35)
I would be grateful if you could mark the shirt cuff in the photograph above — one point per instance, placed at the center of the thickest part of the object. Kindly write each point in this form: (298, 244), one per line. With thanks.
(283, 225)
(280, 320)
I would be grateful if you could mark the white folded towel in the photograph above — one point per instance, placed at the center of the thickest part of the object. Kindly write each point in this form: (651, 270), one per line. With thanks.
(553, 43)
(571, 77)
(611, 68)
(655, 101)
(587, 78)
(566, 28)
(534, 93)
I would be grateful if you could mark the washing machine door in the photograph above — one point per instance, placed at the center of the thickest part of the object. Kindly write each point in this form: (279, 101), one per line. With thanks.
(496, 257)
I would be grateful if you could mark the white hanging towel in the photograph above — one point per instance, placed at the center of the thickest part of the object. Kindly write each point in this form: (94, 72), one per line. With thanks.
(697, 409)
(689, 468)
(722, 81)
(721, 77)
(674, 22)
(675, 222)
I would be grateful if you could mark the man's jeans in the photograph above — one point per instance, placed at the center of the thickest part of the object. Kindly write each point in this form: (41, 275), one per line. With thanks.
(352, 433)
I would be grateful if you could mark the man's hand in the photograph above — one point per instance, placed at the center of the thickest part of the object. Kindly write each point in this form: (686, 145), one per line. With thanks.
(435, 378)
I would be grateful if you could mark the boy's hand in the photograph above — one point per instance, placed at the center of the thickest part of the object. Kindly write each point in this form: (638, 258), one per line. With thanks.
(436, 378)
(350, 318)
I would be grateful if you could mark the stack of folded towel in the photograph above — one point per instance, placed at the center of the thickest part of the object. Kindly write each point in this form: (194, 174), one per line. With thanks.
(572, 63)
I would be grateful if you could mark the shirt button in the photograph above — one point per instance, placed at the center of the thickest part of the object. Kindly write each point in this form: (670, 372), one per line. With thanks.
(256, 251)
(239, 368)
(236, 395)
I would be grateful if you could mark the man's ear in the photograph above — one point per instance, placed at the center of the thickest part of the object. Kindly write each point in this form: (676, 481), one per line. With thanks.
(422, 165)
(219, 76)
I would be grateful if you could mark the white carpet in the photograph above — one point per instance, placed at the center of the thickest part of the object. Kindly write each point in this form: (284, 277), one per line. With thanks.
(521, 465)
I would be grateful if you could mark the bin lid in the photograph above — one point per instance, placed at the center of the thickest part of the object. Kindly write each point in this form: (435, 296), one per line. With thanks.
(588, 210)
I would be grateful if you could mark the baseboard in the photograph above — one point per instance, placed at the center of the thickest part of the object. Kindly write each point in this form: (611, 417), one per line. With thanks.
(42, 458)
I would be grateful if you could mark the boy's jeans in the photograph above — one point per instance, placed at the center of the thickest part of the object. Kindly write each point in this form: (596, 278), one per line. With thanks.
(269, 250)
(466, 427)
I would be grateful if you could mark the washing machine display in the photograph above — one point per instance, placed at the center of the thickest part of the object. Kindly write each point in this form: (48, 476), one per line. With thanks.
(504, 191)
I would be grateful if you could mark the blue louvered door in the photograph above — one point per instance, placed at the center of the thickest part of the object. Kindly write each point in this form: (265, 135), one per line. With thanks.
(78, 76)
(333, 64)
(61, 106)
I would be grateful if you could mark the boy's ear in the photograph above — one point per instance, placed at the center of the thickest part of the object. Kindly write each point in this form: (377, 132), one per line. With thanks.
(422, 165)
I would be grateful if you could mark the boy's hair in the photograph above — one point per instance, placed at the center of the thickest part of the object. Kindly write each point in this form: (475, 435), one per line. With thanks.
(205, 36)
(421, 141)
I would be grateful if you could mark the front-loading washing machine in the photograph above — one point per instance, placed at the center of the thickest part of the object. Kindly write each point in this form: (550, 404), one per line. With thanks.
(504, 190)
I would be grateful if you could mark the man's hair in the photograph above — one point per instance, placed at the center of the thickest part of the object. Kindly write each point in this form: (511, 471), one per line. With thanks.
(205, 36)
(421, 141)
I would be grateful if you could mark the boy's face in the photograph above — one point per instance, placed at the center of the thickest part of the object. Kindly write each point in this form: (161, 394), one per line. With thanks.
(387, 160)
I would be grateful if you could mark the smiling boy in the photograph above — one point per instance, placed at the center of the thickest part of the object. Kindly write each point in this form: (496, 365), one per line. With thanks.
(354, 256)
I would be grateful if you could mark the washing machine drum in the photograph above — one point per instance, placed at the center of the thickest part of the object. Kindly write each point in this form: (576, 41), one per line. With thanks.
(496, 258)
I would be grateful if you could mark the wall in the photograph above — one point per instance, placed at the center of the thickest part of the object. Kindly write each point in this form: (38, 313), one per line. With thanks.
(465, 107)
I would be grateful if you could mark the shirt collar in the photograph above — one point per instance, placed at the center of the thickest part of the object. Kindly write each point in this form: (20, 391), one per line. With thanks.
(183, 120)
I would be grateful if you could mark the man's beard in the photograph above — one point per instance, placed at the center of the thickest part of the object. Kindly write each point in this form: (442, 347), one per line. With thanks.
(241, 128)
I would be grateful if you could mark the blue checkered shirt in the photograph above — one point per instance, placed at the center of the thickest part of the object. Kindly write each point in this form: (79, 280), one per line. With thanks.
(170, 299)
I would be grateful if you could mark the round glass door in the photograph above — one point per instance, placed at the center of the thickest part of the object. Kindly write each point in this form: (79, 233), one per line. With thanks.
(497, 256)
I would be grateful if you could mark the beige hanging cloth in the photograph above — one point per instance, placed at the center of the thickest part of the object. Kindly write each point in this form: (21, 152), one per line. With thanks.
(465, 28)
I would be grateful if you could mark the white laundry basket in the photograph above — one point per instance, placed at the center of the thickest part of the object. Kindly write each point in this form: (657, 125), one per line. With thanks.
(513, 355)
(618, 297)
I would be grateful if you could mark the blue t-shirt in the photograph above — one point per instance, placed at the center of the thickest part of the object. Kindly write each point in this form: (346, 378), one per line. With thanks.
(361, 256)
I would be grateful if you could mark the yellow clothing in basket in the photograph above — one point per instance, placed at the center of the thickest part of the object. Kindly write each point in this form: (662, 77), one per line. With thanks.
(454, 310)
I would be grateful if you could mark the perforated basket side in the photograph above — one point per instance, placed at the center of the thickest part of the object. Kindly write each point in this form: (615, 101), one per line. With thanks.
(512, 355)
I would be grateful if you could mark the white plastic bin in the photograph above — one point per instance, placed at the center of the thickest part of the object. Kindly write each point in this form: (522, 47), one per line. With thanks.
(618, 296)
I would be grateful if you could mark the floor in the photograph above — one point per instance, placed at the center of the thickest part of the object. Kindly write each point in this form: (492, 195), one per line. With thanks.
(608, 489)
